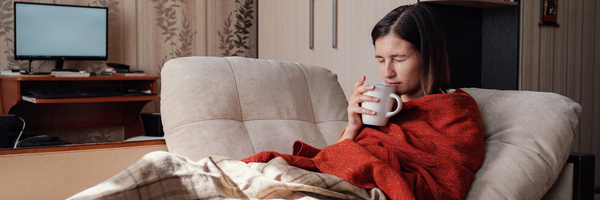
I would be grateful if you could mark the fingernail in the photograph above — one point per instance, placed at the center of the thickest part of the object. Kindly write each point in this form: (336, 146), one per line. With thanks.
(372, 87)
(375, 99)
(372, 112)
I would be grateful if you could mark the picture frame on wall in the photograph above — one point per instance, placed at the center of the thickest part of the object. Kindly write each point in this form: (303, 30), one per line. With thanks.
(548, 13)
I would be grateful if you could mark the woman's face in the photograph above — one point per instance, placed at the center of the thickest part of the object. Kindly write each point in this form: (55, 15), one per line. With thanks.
(399, 66)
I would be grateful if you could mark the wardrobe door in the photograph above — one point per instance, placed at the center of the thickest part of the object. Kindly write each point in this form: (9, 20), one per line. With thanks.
(341, 35)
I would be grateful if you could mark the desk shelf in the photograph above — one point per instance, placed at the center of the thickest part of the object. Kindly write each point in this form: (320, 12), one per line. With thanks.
(91, 78)
(77, 113)
(92, 99)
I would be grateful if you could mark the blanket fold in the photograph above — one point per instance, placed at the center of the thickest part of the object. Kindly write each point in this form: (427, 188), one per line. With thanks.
(163, 175)
(430, 150)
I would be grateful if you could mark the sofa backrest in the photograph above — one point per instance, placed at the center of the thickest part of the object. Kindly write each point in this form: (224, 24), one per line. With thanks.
(224, 106)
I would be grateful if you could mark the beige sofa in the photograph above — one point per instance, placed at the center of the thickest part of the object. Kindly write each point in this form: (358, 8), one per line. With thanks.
(237, 107)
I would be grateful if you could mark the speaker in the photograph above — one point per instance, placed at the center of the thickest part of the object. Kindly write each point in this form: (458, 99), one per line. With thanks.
(152, 124)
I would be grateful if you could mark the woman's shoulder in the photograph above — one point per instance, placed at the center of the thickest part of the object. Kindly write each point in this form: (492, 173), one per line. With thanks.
(451, 96)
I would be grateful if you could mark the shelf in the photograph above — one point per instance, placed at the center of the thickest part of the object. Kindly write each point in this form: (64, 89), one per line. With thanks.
(91, 78)
(79, 147)
(474, 3)
(32, 99)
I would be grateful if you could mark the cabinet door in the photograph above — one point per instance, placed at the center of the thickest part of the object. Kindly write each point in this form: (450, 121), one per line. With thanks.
(283, 34)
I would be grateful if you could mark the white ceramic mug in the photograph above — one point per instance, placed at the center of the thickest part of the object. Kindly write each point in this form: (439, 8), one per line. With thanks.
(386, 95)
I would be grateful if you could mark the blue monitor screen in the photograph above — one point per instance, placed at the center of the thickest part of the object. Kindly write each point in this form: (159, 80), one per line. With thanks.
(55, 32)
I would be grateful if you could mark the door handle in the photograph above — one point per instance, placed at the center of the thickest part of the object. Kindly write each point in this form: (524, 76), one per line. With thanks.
(334, 23)
(311, 24)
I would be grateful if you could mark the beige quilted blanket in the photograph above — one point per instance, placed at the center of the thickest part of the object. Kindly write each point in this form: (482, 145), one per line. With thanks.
(162, 175)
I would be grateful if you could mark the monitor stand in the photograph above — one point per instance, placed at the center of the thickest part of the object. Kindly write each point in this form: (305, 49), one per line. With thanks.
(35, 73)
(59, 67)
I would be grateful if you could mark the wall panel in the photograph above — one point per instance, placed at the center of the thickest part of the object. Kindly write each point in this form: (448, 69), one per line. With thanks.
(546, 62)
(559, 82)
(596, 96)
(568, 63)
(587, 75)
(530, 45)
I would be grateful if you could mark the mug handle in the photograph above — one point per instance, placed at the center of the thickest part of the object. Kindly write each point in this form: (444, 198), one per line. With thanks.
(390, 114)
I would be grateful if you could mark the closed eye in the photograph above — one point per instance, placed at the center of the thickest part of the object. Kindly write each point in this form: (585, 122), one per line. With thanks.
(380, 59)
(399, 58)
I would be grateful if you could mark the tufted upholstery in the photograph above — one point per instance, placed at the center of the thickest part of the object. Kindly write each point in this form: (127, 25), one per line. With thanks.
(237, 107)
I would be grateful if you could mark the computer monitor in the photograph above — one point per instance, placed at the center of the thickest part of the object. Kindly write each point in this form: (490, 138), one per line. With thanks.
(60, 32)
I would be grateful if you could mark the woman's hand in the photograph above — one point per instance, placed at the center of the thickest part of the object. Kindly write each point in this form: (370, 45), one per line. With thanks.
(355, 123)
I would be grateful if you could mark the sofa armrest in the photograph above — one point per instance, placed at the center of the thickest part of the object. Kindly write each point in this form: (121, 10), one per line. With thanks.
(583, 175)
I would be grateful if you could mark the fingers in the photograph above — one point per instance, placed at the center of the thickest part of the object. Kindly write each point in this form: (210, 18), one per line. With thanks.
(360, 82)
(358, 97)
(360, 110)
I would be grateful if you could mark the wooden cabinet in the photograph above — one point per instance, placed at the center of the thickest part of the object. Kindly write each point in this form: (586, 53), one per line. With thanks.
(284, 34)
(76, 113)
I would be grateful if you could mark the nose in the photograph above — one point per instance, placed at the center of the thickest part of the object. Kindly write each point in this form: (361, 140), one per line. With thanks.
(389, 70)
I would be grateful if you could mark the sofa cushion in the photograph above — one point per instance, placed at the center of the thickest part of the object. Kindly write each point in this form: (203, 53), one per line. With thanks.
(528, 138)
(224, 106)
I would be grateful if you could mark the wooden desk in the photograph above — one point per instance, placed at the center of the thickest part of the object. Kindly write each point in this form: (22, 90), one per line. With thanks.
(76, 113)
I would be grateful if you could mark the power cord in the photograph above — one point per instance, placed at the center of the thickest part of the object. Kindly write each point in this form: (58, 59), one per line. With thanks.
(21, 133)
(41, 65)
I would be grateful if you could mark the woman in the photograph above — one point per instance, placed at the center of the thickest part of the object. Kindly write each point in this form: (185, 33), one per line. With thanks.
(411, 53)
(430, 149)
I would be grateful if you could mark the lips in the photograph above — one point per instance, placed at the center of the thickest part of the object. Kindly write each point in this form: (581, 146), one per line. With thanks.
(393, 84)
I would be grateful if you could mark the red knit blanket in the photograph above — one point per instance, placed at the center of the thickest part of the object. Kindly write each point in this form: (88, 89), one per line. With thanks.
(430, 150)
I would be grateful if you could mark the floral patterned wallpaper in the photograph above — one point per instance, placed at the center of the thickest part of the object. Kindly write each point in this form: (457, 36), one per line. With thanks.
(174, 29)
(234, 40)
(145, 34)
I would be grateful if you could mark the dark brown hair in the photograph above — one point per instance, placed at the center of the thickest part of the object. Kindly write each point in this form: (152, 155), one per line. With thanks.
(420, 26)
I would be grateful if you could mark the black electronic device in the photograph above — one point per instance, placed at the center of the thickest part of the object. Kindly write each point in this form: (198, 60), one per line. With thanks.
(35, 73)
(25, 72)
(152, 124)
(8, 118)
(4, 121)
(17, 70)
(60, 32)
(41, 140)
(118, 66)
(128, 71)
(122, 68)
(60, 93)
